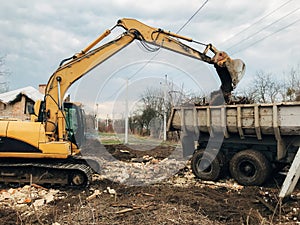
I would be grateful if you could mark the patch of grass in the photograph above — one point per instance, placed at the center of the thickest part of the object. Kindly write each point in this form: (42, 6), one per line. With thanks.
(114, 139)
(111, 142)
(109, 139)
(102, 134)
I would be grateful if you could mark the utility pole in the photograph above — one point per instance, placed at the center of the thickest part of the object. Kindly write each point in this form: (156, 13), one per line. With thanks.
(107, 123)
(165, 107)
(126, 114)
(96, 118)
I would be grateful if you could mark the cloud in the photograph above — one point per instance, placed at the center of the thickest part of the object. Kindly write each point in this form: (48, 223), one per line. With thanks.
(37, 35)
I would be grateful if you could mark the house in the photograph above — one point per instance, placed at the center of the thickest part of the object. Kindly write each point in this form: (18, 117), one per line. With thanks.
(14, 104)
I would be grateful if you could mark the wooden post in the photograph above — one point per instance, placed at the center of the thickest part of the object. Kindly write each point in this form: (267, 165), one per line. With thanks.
(292, 177)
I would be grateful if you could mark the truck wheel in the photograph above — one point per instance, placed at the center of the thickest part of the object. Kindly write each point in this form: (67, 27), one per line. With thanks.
(205, 166)
(250, 167)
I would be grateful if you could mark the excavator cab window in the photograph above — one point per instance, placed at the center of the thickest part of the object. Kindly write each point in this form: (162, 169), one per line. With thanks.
(41, 112)
(75, 123)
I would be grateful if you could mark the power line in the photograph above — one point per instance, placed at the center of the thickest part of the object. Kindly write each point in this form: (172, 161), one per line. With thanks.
(143, 66)
(135, 73)
(265, 37)
(198, 10)
(261, 19)
(262, 29)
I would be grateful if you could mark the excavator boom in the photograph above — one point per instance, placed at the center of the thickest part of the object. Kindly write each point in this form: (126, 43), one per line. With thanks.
(77, 66)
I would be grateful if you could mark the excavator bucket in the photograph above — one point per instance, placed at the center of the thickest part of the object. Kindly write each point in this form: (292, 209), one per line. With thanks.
(235, 68)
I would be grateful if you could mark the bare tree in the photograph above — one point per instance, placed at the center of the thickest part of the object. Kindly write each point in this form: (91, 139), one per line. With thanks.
(151, 108)
(248, 93)
(263, 89)
(155, 102)
(153, 98)
(291, 84)
(266, 87)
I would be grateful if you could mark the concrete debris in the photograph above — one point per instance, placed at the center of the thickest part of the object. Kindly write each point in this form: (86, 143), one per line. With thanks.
(144, 159)
(149, 170)
(39, 202)
(94, 195)
(229, 184)
(111, 191)
(28, 196)
(139, 171)
(125, 151)
(187, 178)
(295, 196)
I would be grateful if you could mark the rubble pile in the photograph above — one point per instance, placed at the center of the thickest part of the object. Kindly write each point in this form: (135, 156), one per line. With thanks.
(142, 171)
(186, 178)
(290, 210)
(28, 196)
(149, 170)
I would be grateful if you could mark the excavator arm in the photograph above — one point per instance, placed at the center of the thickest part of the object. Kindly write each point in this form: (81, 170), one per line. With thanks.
(81, 63)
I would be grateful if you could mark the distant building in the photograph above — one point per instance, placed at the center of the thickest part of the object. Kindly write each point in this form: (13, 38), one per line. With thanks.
(42, 88)
(14, 104)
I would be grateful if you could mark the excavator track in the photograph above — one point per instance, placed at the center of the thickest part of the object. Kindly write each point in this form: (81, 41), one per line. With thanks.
(73, 174)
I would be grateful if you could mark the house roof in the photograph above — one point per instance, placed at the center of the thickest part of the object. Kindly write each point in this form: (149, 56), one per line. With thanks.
(29, 91)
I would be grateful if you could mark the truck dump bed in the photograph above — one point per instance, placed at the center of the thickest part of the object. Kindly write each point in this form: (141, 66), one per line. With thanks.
(277, 119)
(249, 128)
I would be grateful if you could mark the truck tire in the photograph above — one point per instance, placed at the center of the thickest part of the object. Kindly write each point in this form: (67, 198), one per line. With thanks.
(250, 167)
(211, 165)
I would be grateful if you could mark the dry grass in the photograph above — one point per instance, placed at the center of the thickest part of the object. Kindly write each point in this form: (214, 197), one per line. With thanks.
(157, 204)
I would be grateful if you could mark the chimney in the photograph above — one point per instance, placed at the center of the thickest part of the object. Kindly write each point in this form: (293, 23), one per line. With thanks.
(42, 88)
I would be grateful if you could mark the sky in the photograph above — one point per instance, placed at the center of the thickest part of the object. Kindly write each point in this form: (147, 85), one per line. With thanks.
(37, 35)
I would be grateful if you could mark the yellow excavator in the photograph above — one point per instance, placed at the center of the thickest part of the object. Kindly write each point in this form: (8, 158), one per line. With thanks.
(46, 150)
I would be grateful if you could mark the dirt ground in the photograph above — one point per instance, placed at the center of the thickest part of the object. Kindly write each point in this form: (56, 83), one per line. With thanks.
(182, 199)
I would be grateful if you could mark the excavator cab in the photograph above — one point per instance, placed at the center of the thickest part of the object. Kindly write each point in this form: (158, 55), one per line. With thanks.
(74, 119)
(75, 123)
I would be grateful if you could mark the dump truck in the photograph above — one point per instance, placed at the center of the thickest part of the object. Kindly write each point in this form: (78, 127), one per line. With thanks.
(248, 141)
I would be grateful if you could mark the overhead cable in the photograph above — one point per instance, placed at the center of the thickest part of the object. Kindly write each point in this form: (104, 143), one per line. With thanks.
(261, 19)
(263, 29)
(265, 37)
(143, 66)
(189, 20)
